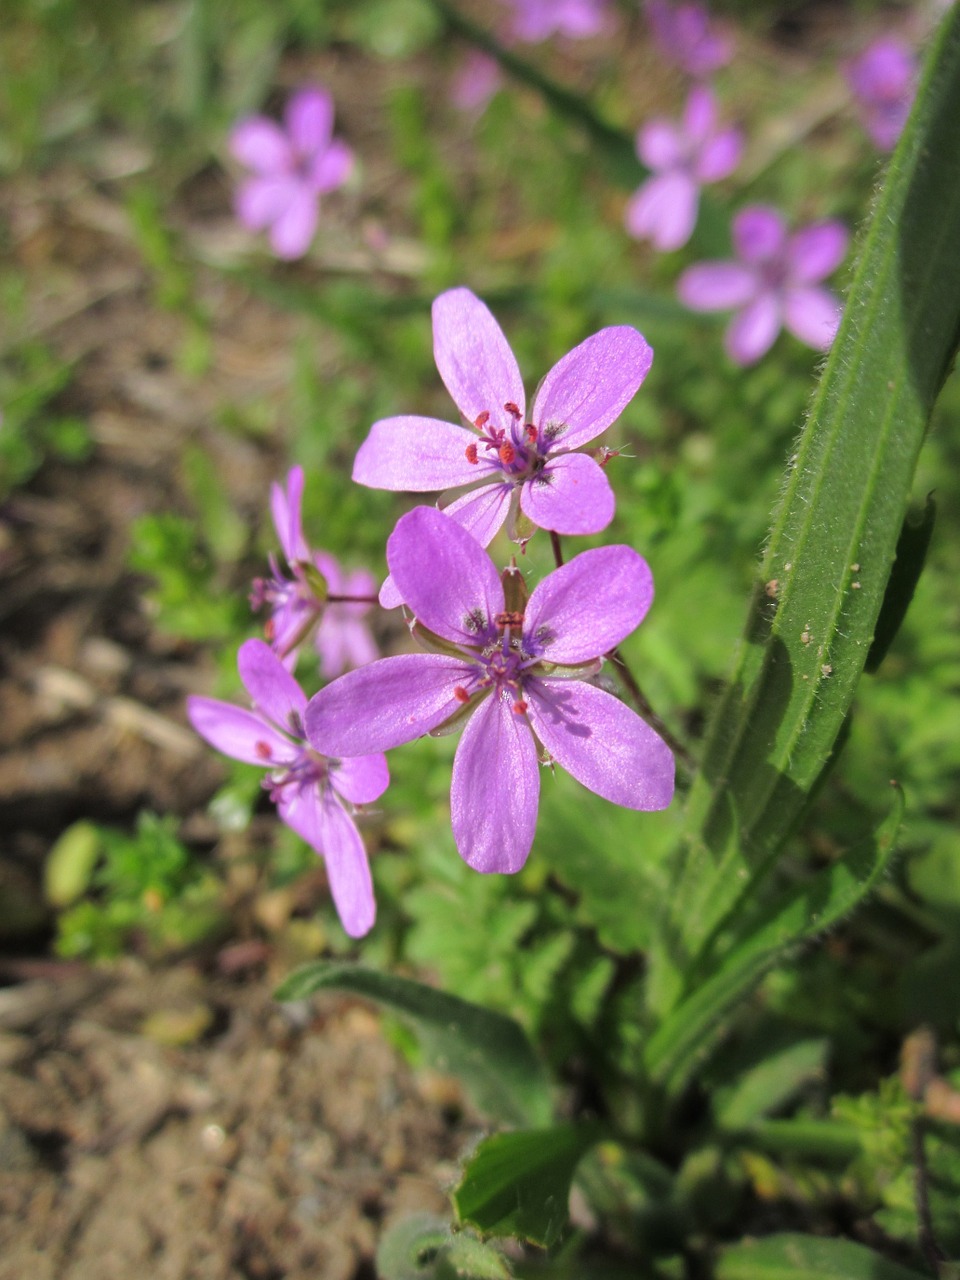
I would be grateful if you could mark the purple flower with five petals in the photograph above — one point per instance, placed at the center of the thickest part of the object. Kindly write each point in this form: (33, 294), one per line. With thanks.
(774, 282)
(292, 167)
(883, 79)
(314, 794)
(684, 35)
(682, 157)
(516, 670)
(300, 602)
(537, 20)
(514, 460)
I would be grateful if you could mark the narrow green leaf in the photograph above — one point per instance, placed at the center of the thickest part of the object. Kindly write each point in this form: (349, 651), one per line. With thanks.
(488, 1051)
(828, 559)
(688, 1033)
(518, 1184)
(771, 1083)
(410, 1248)
(798, 1257)
(912, 547)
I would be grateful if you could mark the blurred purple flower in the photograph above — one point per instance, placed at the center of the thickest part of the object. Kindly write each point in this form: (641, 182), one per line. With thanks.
(774, 282)
(475, 81)
(314, 794)
(299, 602)
(518, 677)
(883, 79)
(536, 20)
(292, 167)
(519, 461)
(682, 157)
(685, 35)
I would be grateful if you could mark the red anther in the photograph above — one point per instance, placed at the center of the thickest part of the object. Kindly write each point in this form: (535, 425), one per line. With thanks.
(506, 453)
(481, 420)
(530, 431)
(512, 409)
(263, 750)
(606, 454)
(460, 693)
(520, 707)
(270, 630)
(471, 452)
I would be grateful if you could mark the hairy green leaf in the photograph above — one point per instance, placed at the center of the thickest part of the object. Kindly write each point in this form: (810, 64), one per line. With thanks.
(798, 1257)
(488, 1051)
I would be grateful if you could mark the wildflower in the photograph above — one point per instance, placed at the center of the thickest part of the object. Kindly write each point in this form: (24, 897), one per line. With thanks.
(519, 461)
(774, 282)
(292, 167)
(682, 157)
(314, 794)
(313, 593)
(516, 670)
(537, 20)
(883, 82)
(685, 35)
(475, 81)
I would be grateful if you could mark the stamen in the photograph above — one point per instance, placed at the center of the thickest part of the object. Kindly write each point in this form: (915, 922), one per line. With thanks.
(510, 618)
(530, 431)
(481, 420)
(512, 409)
(270, 630)
(507, 453)
(520, 707)
(460, 693)
(471, 452)
(263, 749)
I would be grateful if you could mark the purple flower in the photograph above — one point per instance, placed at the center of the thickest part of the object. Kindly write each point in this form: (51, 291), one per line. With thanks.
(309, 790)
(299, 602)
(883, 81)
(514, 460)
(292, 167)
(475, 81)
(681, 157)
(684, 35)
(536, 20)
(773, 283)
(516, 671)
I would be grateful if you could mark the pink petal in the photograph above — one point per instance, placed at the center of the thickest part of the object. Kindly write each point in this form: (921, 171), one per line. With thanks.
(481, 512)
(584, 609)
(361, 779)
(475, 82)
(293, 230)
(474, 358)
(261, 145)
(389, 597)
(664, 210)
(285, 504)
(700, 113)
(321, 820)
(332, 168)
(759, 233)
(812, 315)
(602, 743)
(720, 156)
(716, 286)
(309, 120)
(445, 576)
(571, 495)
(272, 688)
(495, 788)
(260, 201)
(660, 145)
(238, 733)
(753, 331)
(418, 455)
(816, 251)
(592, 385)
(380, 706)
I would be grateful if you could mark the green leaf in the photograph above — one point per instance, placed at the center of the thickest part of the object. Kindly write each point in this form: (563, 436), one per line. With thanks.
(911, 555)
(771, 1083)
(409, 1249)
(488, 1051)
(828, 560)
(686, 1034)
(518, 1184)
(70, 863)
(798, 1257)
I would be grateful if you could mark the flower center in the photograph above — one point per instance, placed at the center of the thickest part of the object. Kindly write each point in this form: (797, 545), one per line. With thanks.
(520, 450)
(307, 769)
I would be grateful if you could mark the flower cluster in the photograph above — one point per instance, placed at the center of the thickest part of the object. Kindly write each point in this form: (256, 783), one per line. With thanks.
(517, 672)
